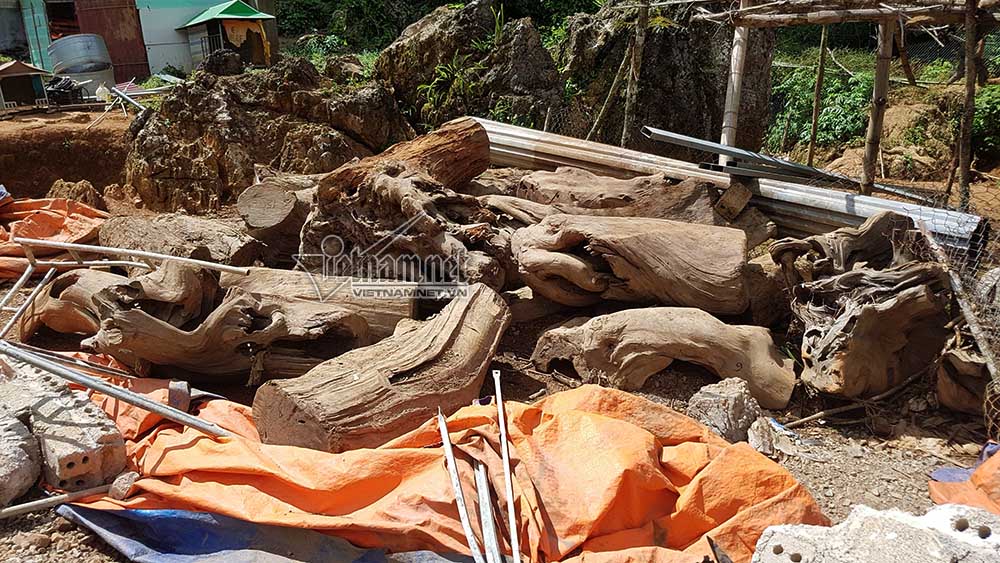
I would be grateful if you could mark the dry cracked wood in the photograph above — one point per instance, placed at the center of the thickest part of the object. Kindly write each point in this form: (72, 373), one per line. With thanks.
(874, 244)
(381, 313)
(253, 336)
(868, 330)
(67, 305)
(177, 234)
(399, 207)
(578, 261)
(573, 191)
(371, 395)
(274, 211)
(624, 349)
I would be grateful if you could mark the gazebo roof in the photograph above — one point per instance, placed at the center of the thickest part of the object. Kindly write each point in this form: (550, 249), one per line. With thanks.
(17, 68)
(233, 10)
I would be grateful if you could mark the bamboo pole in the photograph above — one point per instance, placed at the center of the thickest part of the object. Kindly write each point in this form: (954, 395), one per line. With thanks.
(734, 87)
(612, 93)
(628, 123)
(817, 94)
(879, 100)
(929, 15)
(968, 113)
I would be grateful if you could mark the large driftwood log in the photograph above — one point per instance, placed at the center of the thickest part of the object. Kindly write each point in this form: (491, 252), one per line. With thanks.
(874, 244)
(574, 191)
(399, 206)
(183, 235)
(624, 349)
(579, 261)
(235, 340)
(274, 211)
(382, 313)
(371, 395)
(868, 330)
(67, 305)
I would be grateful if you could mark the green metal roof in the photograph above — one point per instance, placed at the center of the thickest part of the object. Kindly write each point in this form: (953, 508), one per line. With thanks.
(233, 10)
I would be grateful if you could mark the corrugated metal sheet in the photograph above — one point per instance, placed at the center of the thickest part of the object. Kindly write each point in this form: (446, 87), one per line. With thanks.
(117, 21)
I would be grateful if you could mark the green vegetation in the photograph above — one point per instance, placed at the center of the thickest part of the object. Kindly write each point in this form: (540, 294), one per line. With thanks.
(986, 125)
(317, 48)
(454, 78)
(937, 71)
(153, 82)
(367, 59)
(843, 118)
(4, 59)
(503, 111)
(495, 37)
(362, 24)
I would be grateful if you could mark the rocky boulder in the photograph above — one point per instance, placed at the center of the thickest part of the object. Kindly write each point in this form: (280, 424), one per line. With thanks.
(224, 62)
(200, 149)
(436, 39)
(683, 77)
(82, 191)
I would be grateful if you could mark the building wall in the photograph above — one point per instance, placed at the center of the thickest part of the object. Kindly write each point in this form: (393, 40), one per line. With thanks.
(36, 28)
(195, 35)
(12, 38)
(165, 45)
(117, 21)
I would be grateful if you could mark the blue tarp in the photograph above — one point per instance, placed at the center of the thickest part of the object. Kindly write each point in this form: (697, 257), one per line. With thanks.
(180, 536)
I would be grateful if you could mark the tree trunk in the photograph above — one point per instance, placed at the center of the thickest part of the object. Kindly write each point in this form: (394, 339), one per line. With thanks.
(369, 396)
(382, 313)
(880, 98)
(969, 110)
(274, 211)
(183, 235)
(579, 261)
(397, 211)
(624, 349)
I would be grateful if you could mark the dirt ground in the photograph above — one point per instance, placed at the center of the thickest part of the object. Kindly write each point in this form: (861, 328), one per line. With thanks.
(38, 149)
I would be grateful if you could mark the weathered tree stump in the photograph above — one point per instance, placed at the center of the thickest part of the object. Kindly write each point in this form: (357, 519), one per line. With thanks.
(368, 396)
(578, 261)
(624, 349)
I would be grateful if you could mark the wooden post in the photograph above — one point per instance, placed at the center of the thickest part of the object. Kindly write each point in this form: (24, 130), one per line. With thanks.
(817, 94)
(628, 126)
(879, 100)
(612, 93)
(904, 55)
(969, 112)
(731, 112)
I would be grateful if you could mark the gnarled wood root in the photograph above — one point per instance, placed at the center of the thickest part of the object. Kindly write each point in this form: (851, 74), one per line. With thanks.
(579, 261)
(371, 395)
(868, 330)
(234, 340)
(874, 244)
(624, 349)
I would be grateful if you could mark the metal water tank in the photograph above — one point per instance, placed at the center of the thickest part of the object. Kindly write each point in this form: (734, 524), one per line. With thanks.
(85, 52)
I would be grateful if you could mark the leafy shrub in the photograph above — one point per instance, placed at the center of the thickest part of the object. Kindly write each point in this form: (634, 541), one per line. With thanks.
(4, 59)
(937, 71)
(362, 24)
(844, 113)
(986, 124)
(454, 78)
(317, 48)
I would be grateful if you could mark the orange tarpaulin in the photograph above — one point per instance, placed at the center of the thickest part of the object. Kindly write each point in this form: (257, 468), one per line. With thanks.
(599, 475)
(55, 219)
(982, 489)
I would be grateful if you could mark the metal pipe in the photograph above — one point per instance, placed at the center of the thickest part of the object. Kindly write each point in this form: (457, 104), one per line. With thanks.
(49, 502)
(125, 97)
(67, 265)
(27, 303)
(515, 546)
(96, 384)
(129, 252)
(456, 485)
(17, 286)
(56, 357)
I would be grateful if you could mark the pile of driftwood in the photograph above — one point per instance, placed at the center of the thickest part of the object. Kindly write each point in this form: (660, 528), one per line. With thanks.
(648, 270)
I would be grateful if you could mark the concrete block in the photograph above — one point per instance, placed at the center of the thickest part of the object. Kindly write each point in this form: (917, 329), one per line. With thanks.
(947, 533)
(20, 462)
(80, 446)
(727, 407)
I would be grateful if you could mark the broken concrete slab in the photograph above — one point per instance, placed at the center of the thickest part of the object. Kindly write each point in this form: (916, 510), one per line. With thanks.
(947, 533)
(727, 407)
(20, 460)
(80, 446)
